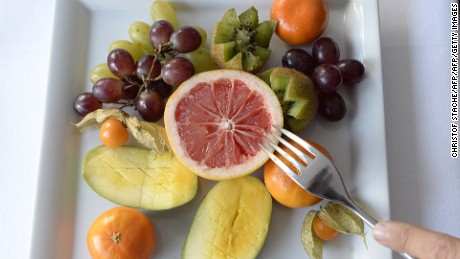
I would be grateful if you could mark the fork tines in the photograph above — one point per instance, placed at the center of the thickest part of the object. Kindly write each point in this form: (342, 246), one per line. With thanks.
(298, 165)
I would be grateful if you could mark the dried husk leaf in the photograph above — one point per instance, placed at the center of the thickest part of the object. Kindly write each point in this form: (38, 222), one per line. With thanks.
(342, 219)
(311, 242)
(148, 134)
(97, 117)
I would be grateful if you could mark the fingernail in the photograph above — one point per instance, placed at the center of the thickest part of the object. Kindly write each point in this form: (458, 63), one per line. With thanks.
(380, 232)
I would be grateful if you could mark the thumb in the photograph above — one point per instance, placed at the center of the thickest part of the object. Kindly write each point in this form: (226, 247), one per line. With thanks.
(416, 241)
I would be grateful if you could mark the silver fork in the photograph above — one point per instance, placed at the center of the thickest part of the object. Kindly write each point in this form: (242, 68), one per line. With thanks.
(323, 179)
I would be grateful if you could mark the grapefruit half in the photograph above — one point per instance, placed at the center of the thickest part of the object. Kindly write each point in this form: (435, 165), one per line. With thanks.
(215, 121)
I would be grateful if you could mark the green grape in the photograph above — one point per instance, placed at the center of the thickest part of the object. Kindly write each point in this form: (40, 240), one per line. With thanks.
(203, 34)
(135, 50)
(139, 32)
(100, 71)
(201, 60)
(162, 10)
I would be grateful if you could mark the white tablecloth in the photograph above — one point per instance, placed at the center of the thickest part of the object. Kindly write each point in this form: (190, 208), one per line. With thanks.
(415, 40)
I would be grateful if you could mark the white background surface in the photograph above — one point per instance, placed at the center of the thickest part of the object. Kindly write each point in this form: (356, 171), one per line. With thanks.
(415, 36)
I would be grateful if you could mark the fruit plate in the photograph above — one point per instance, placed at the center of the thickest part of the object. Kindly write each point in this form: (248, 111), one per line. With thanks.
(82, 32)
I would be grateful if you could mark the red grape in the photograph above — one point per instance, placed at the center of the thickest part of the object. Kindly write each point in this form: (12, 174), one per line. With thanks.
(299, 60)
(327, 78)
(86, 103)
(150, 105)
(149, 67)
(177, 70)
(186, 39)
(131, 86)
(130, 91)
(160, 33)
(108, 90)
(325, 51)
(161, 87)
(352, 71)
(332, 107)
(120, 62)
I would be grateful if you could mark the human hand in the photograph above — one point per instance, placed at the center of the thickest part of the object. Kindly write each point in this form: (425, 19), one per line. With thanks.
(416, 241)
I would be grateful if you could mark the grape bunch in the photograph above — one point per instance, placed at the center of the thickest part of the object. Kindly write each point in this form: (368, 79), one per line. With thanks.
(328, 73)
(143, 72)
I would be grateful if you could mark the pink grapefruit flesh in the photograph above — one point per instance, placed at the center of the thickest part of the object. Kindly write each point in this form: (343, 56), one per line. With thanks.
(216, 120)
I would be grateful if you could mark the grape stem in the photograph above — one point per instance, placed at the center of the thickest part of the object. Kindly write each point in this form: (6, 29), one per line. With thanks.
(151, 70)
(145, 80)
(132, 82)
(164, 47)
(165, 51)
(144, 85)
(124, 104)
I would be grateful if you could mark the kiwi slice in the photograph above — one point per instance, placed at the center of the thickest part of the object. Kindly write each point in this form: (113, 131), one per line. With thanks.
(296, 93)
(241, 42)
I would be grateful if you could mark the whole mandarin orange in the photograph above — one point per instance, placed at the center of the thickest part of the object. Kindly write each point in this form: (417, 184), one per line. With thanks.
(299, 21)
(282, 188)
(121, 232)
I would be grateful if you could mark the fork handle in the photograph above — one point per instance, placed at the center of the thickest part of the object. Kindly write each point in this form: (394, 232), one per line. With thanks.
(369, 220)
(366, 217)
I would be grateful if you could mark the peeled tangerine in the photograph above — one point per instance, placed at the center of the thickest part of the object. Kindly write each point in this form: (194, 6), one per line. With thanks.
(241, 42)
(231, 222)
(138, 177)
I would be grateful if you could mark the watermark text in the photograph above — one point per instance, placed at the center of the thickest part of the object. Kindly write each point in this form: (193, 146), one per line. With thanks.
(454, 80)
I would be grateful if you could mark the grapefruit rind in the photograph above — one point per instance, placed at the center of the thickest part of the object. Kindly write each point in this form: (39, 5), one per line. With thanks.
(271, 102)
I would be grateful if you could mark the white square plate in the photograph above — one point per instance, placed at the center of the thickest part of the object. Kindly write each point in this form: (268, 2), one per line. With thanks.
(82, 32)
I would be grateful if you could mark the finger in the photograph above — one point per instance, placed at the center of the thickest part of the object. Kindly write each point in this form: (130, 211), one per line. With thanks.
(416, 241)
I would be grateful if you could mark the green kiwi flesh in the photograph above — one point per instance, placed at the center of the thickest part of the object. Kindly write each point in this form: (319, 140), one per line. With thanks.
(241, 42)
(296, 93)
